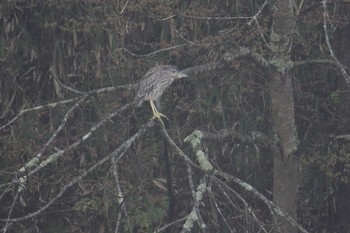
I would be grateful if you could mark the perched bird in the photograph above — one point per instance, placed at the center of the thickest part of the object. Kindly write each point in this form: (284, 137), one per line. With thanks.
(153, 84)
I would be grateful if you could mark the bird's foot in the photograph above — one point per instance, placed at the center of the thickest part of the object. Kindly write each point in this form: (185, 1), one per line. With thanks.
(159, 116)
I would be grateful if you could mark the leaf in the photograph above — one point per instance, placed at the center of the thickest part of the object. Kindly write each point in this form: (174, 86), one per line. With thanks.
(335, 97)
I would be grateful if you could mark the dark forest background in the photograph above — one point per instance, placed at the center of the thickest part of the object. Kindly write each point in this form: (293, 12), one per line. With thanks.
(65, 66)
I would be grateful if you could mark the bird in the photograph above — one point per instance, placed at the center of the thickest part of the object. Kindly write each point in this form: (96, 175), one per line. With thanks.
(153, 84)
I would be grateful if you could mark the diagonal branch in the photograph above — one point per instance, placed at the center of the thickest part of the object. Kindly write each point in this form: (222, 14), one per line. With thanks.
(118, 153)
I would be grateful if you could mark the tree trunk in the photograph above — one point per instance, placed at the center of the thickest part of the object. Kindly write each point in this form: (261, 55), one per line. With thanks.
(281, 90)
(285, 165)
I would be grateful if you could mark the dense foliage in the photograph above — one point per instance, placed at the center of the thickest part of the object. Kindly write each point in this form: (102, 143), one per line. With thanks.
(51, 49)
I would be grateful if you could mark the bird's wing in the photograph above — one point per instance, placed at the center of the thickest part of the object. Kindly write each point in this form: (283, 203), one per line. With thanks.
(154, 78)
(146, 85)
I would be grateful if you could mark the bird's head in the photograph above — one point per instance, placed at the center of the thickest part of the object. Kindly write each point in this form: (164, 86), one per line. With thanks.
(174, 72)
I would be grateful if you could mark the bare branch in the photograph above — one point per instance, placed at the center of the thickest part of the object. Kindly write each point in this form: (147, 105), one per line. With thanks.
(50, 105)
(196, 140)
(55, 104)
(170, 224)
(195, 215)
(249, 188)
(154, 52)
(7, 224)
(58, 130)
(178, 150)
(120, 193)
(124, 7)
(59, 153)
(316, 61)
(118, 153)
(211, 195)
(255, 17)
(215, 18)
(246, 205)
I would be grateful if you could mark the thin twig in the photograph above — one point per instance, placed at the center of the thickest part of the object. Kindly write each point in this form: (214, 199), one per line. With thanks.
(211, 195)
(255, 17)
(154, 52)
(121, 12)
(170, 224)
(7, 224)
(215, 18)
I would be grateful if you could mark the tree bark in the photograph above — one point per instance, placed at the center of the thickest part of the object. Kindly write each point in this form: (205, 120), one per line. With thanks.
(282, 107)
(285, 164)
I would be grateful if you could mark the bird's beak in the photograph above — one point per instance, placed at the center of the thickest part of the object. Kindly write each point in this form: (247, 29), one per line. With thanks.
(182, 75)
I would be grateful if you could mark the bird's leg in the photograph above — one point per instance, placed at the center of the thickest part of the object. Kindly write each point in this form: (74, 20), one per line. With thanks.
(156, 114)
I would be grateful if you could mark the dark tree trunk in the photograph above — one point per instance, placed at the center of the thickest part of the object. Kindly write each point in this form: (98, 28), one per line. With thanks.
(281, 91)
(285, 165)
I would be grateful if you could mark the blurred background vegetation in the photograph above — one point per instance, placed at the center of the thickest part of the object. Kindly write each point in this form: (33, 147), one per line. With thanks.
(92, 44)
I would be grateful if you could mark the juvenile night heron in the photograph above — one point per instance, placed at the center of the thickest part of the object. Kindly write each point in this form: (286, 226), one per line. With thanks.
(153, 84)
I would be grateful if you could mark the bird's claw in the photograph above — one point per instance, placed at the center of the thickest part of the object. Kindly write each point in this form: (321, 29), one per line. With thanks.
(159, 116)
